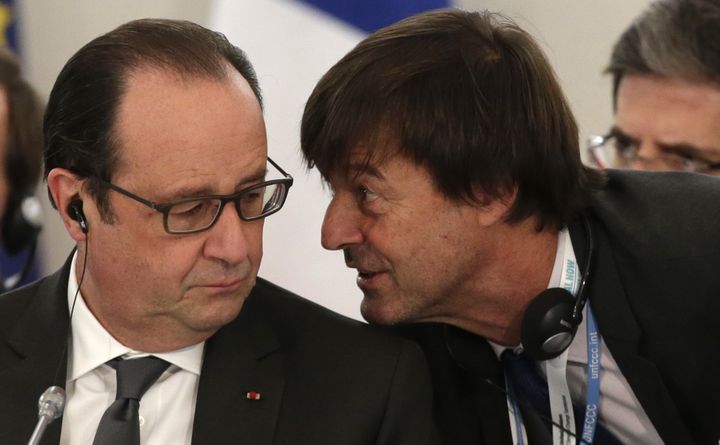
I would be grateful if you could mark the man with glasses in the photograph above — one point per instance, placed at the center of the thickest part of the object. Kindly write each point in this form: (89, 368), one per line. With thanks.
(157, 326)
(553, 301)
(666, 91)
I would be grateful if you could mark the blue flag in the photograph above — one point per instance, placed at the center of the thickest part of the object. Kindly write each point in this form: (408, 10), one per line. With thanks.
(8, 25)
(371, 15)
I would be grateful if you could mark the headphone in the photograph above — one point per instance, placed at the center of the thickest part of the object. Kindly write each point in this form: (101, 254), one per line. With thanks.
(21, 222)
(75, 210)
(552, 318)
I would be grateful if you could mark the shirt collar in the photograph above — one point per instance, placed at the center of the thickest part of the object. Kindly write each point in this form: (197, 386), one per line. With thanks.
(91, 345)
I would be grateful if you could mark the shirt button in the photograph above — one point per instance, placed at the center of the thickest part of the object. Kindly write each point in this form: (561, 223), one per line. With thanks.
(141, 421)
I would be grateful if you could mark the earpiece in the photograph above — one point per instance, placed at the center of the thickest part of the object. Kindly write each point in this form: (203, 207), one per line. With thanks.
(552, 318)
(75, 210)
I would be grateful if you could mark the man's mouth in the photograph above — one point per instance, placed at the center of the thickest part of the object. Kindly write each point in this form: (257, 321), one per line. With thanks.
(366, 275)
(367, 279)
(225, 284)
(228, 284)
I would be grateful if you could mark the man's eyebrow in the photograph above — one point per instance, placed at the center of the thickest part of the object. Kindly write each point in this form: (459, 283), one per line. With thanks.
(363, 168)
(617, 133)
(684, 149)
(680, 149)
(190, 191)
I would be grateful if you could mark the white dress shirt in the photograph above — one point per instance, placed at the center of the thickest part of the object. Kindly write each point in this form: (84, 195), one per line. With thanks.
(166, 410)
(620, 411)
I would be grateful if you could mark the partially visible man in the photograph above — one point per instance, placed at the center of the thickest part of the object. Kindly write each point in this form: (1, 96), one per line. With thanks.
(20, 168)
(460, 198)
(157, 325)
(666, 91)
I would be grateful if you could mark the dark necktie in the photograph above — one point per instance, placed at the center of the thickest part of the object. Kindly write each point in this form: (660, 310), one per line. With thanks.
(120, 425)
(531, 392)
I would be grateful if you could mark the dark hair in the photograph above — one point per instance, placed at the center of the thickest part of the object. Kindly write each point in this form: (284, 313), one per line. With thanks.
(79, 120)
(467, 95)
(672, 38)
(23, 152)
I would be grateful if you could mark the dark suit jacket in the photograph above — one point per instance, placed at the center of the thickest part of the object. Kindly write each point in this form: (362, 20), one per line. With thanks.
(324, 379)
(655, 291)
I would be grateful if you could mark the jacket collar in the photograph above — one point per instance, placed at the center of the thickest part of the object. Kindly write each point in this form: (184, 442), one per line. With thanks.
(242, 380)
(622, 333)
(39, 341)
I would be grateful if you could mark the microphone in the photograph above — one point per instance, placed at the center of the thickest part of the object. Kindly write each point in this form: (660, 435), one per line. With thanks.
(52, 401)
(50, 407)
(525, 404)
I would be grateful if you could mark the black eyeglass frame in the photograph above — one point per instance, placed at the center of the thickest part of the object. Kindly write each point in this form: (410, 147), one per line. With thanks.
(164, 208)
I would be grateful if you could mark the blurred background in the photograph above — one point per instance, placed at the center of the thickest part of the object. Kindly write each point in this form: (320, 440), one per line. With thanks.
(291, 44)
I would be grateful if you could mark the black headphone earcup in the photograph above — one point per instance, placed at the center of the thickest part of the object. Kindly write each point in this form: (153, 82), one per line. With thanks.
(75, 210)
(547, 326)
(21, 223)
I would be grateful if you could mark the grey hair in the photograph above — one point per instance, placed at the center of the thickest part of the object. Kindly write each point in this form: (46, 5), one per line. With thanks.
(672, 38)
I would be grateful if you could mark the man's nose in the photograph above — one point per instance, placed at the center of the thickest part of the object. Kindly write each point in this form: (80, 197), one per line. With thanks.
(227, 240)
(648, 157)
(341, 226)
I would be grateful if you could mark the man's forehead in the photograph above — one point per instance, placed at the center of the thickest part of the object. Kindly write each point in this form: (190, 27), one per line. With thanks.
(674, 112)
(168, 125)
(359, 161)
(363, 160)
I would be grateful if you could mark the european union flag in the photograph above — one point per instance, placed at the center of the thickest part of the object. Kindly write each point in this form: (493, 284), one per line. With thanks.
(8, 25)
(371, 15)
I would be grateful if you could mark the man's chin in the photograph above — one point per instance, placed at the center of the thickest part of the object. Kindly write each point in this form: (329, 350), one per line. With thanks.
(213, 319)
(213, 309)
(376, 312)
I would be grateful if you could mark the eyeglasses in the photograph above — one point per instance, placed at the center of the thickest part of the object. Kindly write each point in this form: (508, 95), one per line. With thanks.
(616, 151)
(192, 215)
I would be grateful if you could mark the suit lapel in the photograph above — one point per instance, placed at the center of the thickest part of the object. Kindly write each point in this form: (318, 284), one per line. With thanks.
(38, 342)
(242, 362)
(622, 334)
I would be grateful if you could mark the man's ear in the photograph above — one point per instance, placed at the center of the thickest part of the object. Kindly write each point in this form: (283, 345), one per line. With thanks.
(492, 211)
(65, 186)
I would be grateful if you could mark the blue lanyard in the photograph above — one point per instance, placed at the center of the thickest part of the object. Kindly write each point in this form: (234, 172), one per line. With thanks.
(592, 398)
(593, 386)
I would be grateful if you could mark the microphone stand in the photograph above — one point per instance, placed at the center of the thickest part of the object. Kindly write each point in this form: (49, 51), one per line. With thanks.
(50, 407)
(52, 401)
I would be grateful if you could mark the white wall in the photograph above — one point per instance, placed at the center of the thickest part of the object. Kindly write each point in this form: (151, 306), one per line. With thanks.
(577, 36)
(291, 47)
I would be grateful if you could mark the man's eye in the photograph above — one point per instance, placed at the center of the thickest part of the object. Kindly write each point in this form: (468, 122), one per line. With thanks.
(624, 145)
(253, 195)
(687, 162)
(193, 208)
(367, 195)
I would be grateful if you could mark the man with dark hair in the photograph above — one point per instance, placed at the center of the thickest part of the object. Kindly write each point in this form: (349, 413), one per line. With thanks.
(20, 168)
(459, 196)
(666, 91)
(157, 326)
